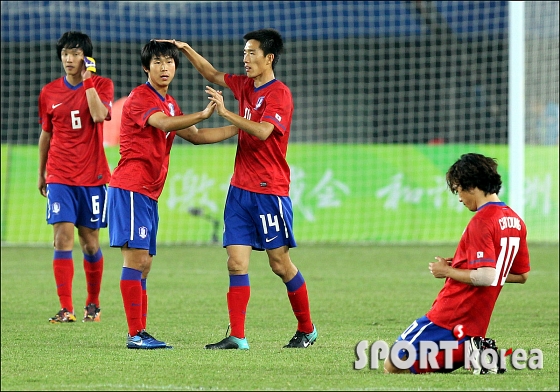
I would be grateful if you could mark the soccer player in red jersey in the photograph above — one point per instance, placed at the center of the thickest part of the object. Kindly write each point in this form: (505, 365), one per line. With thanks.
(73, 169)
(492, 251)
(258, 211)
(151, 118)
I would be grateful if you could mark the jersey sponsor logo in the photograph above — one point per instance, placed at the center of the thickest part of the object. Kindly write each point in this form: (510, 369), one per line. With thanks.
(278, 117)
(259, 102)
(57, 105)
(94, 220)
(479, 255)
(271, 239)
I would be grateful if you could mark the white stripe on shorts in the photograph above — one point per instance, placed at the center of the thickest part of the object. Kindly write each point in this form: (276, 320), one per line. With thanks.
(282, 217)
(131, 216)
(419, 332)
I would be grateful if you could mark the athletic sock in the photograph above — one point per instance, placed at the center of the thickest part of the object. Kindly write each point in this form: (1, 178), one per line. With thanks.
(144, 303)
(63, 267)
(297, 293)
(131, 291)
(93, 267)
(237, 300)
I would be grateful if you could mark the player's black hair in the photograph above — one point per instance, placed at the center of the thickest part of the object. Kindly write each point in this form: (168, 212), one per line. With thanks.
(474, 171)
(74, 39)
(158, 49)
(271, 42)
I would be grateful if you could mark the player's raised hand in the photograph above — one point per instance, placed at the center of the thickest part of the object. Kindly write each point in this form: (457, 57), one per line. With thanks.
(216, 97)
(179, 44)
(209, 109)
(89, 67)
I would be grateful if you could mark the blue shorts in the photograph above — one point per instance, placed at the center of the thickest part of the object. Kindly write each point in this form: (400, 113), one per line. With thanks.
(133, 219)
(80, 205)
(423, 329)
(258, 220)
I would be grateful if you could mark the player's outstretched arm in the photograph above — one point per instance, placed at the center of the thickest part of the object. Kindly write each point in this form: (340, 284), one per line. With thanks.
(166, 123)
(207, 135)
(261, 130)
(202, 65)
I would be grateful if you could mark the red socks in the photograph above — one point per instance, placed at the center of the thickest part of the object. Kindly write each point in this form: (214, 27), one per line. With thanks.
(237, 300)
(144, 303)
(63, 267)
(93, 267)
(297, 293)
(131, 291)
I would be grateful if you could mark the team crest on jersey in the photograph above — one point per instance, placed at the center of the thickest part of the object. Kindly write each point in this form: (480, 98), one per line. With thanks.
(259, 102)
(143, 232)
(56, 208)
(171, 109)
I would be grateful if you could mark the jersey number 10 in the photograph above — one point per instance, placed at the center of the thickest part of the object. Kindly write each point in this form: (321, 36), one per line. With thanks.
(510, 247)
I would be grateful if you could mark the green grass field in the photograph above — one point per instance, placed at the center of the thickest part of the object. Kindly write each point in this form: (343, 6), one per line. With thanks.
(356, 293)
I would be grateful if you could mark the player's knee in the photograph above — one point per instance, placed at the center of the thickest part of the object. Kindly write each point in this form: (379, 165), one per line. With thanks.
(278, 270)
(388, 367)
(90, 248)
(237, 267)
(63, 240)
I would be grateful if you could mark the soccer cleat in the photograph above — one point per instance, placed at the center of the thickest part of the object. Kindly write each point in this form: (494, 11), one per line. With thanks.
(229, 343)
(91, 313)
(63, 316)
(145, 341)
(481, 344)
(302, 340)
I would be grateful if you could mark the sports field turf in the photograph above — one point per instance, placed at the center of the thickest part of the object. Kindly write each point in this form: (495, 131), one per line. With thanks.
(356, 293)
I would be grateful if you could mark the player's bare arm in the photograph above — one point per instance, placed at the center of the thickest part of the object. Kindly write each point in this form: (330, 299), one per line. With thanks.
(479, 277)
(44, 145)
(207, 135)
(517, 278)
(97, 109)
(202, 65)
(166, 123)
(260, 130)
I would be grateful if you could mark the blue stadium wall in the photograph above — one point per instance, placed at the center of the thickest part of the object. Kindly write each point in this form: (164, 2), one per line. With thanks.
(369, 58)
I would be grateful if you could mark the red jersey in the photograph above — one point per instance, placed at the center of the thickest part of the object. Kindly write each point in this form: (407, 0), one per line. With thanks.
(144, 149)
(261, 166)
(495, 237)
(76, 156)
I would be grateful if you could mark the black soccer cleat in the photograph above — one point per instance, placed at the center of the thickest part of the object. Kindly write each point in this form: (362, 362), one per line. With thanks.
(229, 343)
(302, 340)
(480, 344)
